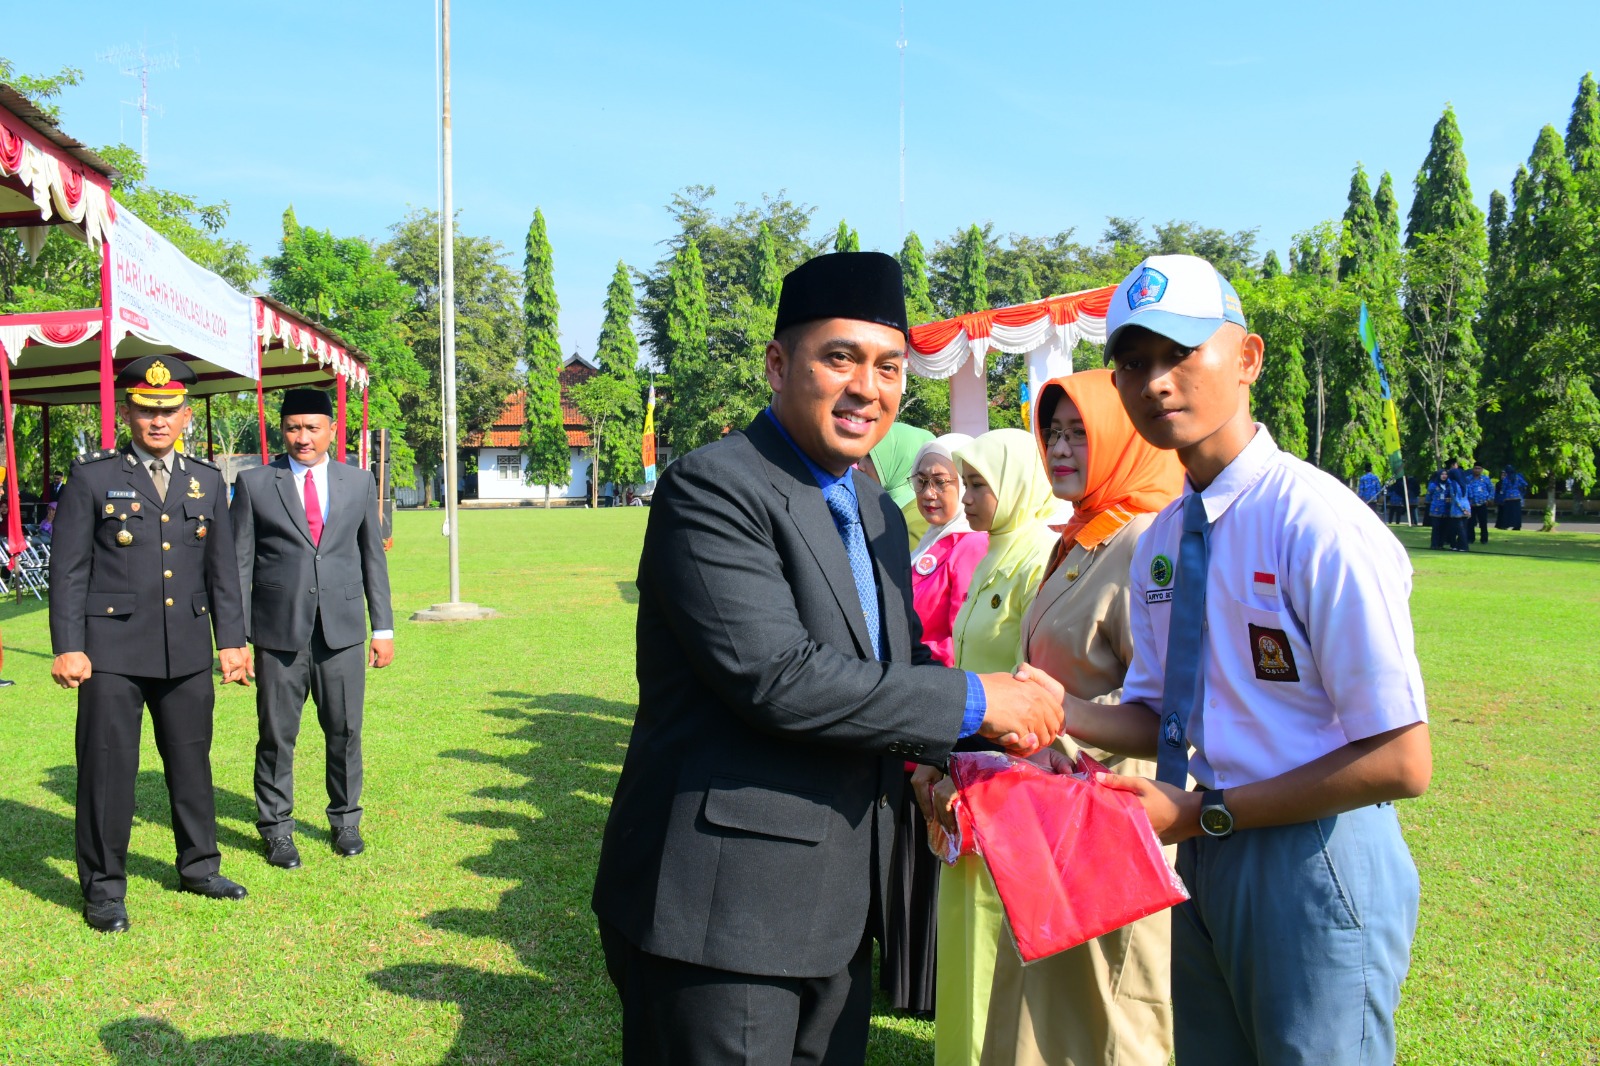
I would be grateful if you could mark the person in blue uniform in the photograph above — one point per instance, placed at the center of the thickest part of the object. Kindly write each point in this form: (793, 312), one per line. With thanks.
(142, 575)
(1438, 509)
(1459, 535)
(1508, 494)
(1480, 491)
(1369, 488)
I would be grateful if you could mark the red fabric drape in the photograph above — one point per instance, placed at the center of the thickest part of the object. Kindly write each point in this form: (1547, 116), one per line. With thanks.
(933, 336)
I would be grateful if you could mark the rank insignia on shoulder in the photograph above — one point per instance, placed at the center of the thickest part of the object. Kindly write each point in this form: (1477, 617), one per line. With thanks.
(1273, 655)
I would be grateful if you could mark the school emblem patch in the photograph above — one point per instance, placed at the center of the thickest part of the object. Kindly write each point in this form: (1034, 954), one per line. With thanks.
(1147, 288)
(1172, 731)
(1161, 570)
(1273, 655)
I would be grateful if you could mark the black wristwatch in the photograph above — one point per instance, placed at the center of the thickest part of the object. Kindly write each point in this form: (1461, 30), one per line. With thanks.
(1215, 818)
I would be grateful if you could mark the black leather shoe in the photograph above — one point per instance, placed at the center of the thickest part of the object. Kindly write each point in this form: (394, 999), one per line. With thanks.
(347, 841)
(106, 915)
(282, 853)
(215, 887)
(6, 684)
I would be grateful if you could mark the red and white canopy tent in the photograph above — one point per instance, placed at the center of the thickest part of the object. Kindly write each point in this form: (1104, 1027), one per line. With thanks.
(154, 300)
(1044, 331)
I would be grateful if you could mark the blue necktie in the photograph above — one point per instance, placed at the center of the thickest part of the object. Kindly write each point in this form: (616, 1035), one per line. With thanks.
(1184, 686)
(843, 507)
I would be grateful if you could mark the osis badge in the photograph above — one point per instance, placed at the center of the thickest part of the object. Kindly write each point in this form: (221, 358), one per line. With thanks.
(1161, 571)
(1272, 654)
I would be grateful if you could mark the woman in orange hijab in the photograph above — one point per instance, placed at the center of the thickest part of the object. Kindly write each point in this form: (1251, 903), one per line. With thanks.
(1107, 1001)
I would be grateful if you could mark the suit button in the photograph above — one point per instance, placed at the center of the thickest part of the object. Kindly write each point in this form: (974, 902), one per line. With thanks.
(202, 610)
(883, 801)
(111, 610)
(166, 573)
(165, 546)
(169, 601)
(166, 518)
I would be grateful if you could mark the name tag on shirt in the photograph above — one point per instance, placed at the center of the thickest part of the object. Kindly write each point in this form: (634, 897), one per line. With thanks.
(1158, 596)
(121, 494)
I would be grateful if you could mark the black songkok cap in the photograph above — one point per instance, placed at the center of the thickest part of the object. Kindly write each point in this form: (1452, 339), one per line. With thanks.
(306, 402)
(860, 285)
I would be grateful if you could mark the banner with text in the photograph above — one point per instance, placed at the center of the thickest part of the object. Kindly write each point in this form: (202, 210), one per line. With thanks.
(162, 296)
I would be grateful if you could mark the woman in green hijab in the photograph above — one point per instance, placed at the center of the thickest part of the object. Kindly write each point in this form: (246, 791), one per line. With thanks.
(891, 464)
(1009, 496)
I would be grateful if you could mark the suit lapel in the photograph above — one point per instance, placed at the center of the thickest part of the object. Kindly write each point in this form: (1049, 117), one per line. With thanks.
(810, 514)
(140, 480)
(876, 526)
(291, 503)
(337, 487)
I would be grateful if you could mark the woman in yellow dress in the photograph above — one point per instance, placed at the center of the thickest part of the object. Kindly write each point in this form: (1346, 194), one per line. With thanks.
(1108, 1001)
(1008, 496)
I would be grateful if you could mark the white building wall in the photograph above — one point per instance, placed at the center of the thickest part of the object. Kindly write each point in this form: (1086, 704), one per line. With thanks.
(501, 476)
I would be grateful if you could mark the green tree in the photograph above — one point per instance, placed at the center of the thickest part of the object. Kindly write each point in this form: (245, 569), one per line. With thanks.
(344, 283)
(846, 239)
(766, 282)
(618, 354)
(1361, 238)
(1276, 310)
(1270, 267)
(694, 416)
(1583, 128)
(1446, 247)
(972, 273)
(544, 437)
(488, 332)
(926, 402)
(607, 404)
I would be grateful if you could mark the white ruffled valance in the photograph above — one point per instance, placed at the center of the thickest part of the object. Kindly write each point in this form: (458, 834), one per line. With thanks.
(310, 343)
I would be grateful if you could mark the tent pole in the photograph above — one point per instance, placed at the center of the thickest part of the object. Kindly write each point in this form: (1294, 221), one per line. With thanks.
(13, 531)
(447, 301)
(108, 425)
(261, 420)
(44, 432)
(339, 428)
(366, 440)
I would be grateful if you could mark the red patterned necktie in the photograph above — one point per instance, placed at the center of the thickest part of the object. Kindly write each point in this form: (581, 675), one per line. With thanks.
(313, 510)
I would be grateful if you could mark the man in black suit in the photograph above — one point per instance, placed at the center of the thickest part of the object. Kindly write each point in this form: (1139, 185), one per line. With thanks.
(141, 574)
(312, 568)
(782, 685)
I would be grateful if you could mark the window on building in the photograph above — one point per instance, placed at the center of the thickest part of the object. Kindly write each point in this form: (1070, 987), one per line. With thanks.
(509, 467)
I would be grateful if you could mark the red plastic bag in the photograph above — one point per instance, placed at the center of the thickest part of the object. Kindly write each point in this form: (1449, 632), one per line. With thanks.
(1071, 858)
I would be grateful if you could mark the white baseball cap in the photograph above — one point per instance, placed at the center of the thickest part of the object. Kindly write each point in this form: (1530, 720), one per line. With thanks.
(1181, 297)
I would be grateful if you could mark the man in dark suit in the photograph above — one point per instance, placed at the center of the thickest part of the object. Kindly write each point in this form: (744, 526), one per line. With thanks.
(141, 575)
(782, 685)
(309, 552)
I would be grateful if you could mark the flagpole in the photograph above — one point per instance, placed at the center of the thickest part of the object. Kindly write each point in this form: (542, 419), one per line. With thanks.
(453, 610)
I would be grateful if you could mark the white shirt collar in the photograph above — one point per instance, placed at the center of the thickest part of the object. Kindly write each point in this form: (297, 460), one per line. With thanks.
(1245, 470)
(298, 468)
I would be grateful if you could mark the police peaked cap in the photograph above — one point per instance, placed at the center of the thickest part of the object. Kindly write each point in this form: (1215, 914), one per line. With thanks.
(159, 381)
(862, 285)
(306, 402)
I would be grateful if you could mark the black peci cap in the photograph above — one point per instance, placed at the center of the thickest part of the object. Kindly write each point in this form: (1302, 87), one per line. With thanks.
(862, 285)
(306, 402)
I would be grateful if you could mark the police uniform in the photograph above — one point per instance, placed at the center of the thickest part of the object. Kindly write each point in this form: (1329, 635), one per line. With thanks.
(1296, 939)
(139, 583)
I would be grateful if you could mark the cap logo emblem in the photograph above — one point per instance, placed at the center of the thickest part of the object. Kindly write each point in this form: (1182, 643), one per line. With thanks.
(1147, 288)
(158, 374)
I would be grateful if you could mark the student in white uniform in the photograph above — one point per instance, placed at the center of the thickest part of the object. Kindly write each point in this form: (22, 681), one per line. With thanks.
(1273, 661)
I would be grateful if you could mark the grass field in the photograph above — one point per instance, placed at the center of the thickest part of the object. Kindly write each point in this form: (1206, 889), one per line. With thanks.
(464, 934)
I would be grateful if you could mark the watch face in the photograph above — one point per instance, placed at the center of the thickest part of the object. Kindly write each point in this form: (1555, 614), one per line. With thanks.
(1216, 821)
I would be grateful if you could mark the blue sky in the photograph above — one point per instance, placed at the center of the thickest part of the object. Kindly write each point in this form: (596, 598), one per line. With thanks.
(1037, 117)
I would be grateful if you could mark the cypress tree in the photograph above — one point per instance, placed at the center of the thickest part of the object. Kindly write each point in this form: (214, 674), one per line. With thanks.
(1446, 247)
(544, 436)
(847, 239)
(1583, 129)
(914, 273)
(764, 281)
(1388, 208)
(618, 355)
(1270, 267)
(687, 421)
(1360, 245)
(972, 273)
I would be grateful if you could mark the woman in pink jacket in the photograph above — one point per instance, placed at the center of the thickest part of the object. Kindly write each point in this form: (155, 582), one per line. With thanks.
(941, 569)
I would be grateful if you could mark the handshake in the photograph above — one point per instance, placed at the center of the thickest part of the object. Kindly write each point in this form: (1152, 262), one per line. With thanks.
(1025, 709)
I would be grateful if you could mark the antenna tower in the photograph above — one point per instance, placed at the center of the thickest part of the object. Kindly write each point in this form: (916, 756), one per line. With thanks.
(138, 63)
(901, 43)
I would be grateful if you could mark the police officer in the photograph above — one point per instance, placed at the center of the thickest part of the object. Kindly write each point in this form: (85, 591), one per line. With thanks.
(142, 573)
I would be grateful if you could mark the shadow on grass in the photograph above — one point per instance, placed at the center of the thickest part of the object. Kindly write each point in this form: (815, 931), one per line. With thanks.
(629, 591)
(142, 1041)
(152, 803)
(34, 839)
(563, 1008)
